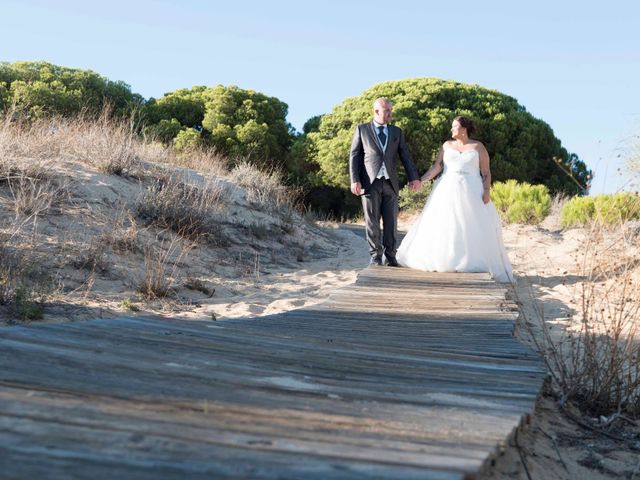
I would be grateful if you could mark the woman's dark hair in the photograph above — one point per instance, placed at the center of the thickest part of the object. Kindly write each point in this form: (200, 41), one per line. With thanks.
(466, 123)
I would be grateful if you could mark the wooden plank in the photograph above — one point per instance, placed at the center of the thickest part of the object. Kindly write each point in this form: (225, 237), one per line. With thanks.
(404, 374)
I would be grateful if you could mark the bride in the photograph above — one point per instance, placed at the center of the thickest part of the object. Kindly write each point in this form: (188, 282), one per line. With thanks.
(459, 228)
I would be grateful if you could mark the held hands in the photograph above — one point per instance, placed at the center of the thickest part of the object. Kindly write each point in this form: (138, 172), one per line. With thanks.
(415, 185)
(356, 187)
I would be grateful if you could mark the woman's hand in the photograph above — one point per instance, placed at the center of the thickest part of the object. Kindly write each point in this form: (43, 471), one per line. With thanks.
(486, 196)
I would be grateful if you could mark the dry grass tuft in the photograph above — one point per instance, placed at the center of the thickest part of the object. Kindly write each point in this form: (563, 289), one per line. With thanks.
(264, 188)
(205, 160)
(123, 236)
(161, 262)
(26, 173)
(594, 358)
(191, 211)
(110, 145)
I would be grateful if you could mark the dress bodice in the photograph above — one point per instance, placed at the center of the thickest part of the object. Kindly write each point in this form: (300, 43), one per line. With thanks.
(466, 162)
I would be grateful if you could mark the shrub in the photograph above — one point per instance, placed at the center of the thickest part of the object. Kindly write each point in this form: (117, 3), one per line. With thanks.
(609, 209)
(521, 202)
(164, 131)
(577, 212)
(41, 89)
(410, 201)
(187, 140)
(127, 304)
(25, 305)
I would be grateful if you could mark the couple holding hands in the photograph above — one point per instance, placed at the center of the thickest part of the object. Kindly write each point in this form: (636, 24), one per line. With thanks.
(458, 229)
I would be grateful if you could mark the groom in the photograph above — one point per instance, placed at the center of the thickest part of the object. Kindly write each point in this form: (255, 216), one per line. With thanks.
(374, 176)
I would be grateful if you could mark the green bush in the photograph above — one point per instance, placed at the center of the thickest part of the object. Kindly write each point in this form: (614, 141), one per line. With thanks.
(410, 201)
(608, 209)
(187, 140)
(40, 89)
(577, 212)
(521, 202)
(164, 131)
(238, 123)
(522, 147)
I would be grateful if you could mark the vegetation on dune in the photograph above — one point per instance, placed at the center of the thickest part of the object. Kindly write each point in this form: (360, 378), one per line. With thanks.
(605, 209)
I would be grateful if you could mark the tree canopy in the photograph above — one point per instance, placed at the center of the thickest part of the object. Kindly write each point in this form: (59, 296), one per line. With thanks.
(521, 146)
(246, 124)
(239, 123)
(41, 88)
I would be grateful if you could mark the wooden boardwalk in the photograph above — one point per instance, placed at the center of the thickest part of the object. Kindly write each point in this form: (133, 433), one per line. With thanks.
(402, 375)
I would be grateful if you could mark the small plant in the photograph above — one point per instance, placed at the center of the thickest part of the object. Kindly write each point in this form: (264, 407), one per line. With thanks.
(127, 304)
(123, 236)
(91, 258)
(521, 202)
(160, 264)
(260, 230)
(26, 308)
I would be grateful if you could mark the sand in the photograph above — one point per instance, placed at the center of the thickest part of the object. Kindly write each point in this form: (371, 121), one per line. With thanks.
(96, 255)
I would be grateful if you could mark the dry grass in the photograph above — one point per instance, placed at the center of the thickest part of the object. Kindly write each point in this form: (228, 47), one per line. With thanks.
(594, 355)
(264, 188)
(205, 160)
(27, 153)
(85, 204)
(553, 221)
(123, 237)
(161, 263)
(191, 211)
(110, 145)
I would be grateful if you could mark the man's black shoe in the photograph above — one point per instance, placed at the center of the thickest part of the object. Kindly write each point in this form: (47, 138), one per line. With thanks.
(375, 261)
(391, 262)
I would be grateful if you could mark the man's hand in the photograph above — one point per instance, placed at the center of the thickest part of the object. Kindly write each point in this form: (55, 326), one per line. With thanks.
(415, 185)
(356, 188)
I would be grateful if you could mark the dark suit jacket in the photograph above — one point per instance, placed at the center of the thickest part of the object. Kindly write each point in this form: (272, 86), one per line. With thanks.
(367, 156)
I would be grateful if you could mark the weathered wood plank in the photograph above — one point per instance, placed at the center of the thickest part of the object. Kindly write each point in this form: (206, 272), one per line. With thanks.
(405, 374)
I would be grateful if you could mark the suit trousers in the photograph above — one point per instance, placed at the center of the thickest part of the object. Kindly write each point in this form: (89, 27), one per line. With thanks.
(381, 201)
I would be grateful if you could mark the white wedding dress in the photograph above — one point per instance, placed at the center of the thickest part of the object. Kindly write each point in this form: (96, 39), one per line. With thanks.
(457, 231)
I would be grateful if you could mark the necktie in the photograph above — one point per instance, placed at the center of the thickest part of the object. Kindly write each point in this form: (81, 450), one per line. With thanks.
(382, 136)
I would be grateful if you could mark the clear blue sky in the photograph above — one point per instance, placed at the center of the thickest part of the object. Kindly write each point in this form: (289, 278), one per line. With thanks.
(574, 65)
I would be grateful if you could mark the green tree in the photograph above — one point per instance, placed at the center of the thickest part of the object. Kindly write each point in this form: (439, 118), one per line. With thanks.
(521, 147)
(186, 106)
(248, 124)
(164, 131)
(41, 88)
(187, 139)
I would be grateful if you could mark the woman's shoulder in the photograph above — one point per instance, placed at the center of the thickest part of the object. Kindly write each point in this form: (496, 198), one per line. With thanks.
(478, 145)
